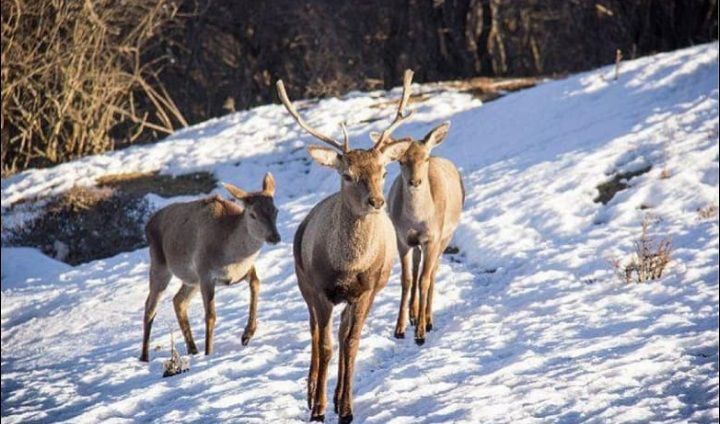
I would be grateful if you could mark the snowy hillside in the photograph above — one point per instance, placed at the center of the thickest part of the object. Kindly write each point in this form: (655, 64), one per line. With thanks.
(531, 322)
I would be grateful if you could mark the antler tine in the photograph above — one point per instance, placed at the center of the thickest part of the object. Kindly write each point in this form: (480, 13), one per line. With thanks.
(293, 112)
(399, 116)
(346, 137)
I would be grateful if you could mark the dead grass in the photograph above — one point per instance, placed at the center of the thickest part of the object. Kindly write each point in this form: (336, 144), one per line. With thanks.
(707, 212)
(649, 260)
(142, 183)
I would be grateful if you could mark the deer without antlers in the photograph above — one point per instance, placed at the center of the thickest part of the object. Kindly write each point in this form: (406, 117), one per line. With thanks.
(204, 243)
(425, 203)
(344, 251)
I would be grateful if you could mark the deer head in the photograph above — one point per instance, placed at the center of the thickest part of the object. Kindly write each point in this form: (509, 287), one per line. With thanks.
(362, 171)
(416, 158)
(260, 209)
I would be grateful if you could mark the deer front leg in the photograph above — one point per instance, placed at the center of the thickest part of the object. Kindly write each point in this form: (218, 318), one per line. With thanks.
(354, 319)
(207, 289)
(252, 317)
(159, 279)
(415, 290)
(431, 253)
(407, 285)
(323, 312)
(180, 302)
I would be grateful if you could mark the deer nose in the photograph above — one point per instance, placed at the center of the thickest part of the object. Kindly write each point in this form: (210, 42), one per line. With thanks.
(415, 182)
(376, 202)
(274, 238)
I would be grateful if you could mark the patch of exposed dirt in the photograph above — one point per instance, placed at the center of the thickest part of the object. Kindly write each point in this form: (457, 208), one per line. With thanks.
(619, 182)
(90, 223)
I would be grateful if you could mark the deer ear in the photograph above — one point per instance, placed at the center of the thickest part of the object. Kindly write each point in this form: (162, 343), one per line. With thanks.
(324, 156)
(437, 135)
(235, 191)
(374, 136)
(269, 184)
(395, 150)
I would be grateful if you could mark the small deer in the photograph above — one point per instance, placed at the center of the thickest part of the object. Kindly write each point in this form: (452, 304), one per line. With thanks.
(204, 243)
(425, 203)
(344, 250)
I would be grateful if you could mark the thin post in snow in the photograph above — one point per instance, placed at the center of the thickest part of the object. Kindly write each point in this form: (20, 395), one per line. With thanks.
(618, 59)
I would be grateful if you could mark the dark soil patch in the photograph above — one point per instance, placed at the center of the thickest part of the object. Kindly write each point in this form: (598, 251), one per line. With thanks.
(451, 250)
(85, 224)
(619, 182)
(90, 223)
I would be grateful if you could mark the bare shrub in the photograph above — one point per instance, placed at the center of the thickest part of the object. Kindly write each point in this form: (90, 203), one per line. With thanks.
(649, 260)
(74, 81)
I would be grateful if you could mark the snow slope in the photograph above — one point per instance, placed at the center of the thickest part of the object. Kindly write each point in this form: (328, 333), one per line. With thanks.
(531, 323)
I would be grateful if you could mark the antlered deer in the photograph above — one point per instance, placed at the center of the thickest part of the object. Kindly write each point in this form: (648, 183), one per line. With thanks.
(425, 203)
(204, 243)
(344, 250)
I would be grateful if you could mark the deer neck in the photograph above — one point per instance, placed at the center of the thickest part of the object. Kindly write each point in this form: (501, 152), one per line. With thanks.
(418, 205)
(355, 240)
(241, 241)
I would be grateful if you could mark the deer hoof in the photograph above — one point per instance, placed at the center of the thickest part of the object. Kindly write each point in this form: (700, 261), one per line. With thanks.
(192, 350)
(428, 326)
(143, 358)
(245, 339)
(347, 419)
(420, 341)
(318, 418)
(399, 334)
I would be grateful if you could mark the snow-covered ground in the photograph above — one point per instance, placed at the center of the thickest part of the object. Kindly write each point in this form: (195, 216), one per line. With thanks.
(531, 323)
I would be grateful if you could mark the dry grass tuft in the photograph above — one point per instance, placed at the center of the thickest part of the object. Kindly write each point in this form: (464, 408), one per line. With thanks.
(707, 212)
(649, 260)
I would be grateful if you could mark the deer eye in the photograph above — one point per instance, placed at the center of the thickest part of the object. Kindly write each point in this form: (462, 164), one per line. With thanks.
(384, 174)
(347, 178)
(427, 159)
(253, 216)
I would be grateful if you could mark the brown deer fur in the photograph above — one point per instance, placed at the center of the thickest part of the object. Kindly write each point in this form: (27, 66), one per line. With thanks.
(425, 203)
(344, 250)
(204, 243)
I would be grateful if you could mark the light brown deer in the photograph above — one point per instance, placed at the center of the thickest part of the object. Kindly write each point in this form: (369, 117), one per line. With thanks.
(425, 203)
(204, 243)
(344, 251)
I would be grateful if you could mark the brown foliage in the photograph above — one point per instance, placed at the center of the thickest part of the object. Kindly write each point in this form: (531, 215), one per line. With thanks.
(73, 81)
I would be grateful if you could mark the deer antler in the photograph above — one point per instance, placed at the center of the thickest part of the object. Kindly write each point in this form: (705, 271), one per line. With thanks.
(312, 131)
(400, 117)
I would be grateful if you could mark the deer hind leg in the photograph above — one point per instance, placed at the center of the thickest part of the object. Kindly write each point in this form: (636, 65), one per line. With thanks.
(323, 315)
(252, 317)
(207, 288)
(406, 259)
(314, 358)
(431, 290)
(417, 255)
(181, 302)
(354, 319)
(431, 255)
(159, 279)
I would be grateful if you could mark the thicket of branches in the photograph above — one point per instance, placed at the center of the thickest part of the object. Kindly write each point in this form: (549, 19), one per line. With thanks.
(84, 76)
(74, 79)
